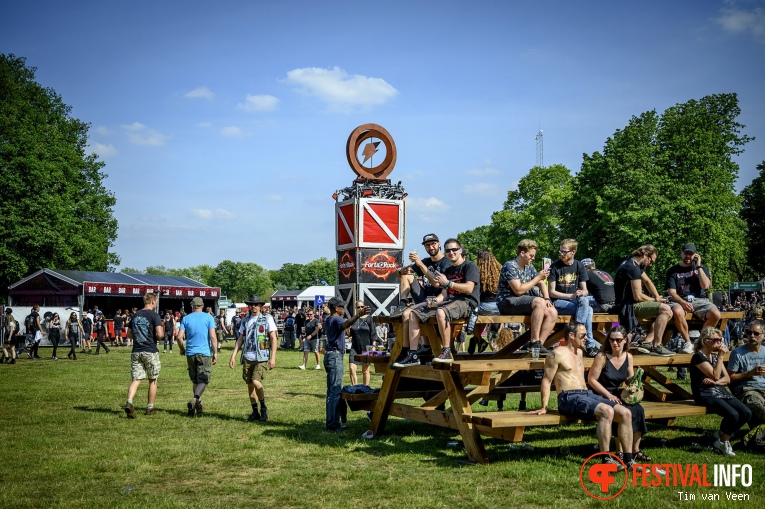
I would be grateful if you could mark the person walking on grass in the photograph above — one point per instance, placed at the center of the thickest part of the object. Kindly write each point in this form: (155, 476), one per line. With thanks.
(72, 334)
(258, 342)
(54, 333)
(145, 330)
(10, 327)
(311, 342)
(196, 338)
(100, 326)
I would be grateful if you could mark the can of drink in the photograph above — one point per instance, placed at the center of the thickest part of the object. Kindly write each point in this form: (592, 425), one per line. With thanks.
(689, 298)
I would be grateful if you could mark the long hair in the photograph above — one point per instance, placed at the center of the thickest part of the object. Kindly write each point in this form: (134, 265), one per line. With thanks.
(606, 347)
(488, 270)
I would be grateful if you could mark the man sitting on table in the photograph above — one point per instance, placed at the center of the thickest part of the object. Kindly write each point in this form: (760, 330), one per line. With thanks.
(568, 289)
(747, 370)
(461, 290)
(565, 366)
(521, 291)
(600, 285)
(632, 304)
(686, 284)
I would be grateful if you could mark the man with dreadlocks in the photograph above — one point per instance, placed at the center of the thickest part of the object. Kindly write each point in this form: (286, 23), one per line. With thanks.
(488, 270)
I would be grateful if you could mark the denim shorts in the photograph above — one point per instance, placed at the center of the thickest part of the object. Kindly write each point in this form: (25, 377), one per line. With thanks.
(581, 404)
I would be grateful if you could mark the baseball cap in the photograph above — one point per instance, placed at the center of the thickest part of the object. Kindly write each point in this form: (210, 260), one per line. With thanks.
(588, 261)
(8, 310)
(197, 301)
(689, 247)
(430, 237)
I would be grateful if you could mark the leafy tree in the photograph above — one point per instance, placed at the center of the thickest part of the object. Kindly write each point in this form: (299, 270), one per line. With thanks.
(666, 180)
(238, 280)
(532, 211)
(753, 213)
(292, 276)
(321, 269)
(475, 239)
(56, 212)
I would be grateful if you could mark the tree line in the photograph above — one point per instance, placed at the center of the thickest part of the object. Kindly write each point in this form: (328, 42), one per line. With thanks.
(664, 179)
(239, 280)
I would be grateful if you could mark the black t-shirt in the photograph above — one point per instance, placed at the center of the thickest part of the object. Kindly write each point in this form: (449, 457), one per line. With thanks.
(34, 317)
(361, 334)
(466, 271)
(567, 277)
(433, 267)
(600, 285)
(697, 377)
(143, 326)
(686, 281)
(87, 324)
(310, 327)
(627, 272)
(119, 322)
(300, 320)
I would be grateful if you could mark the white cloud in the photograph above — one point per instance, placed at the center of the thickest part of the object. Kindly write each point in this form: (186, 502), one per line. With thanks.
(103, 150)
(483, 188)
(259, 103)
(200, 93)
(204, 125)
(480, 172)
(339, 89)
(139, 134)
(212, 214)
(233, 131)
(103, 130)
(741, 20)
(425, 204)
(274, 197)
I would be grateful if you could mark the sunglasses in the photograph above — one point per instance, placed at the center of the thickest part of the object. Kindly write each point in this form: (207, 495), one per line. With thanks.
(453, 250)
(616, 340)
(715, 340)
(753, 333)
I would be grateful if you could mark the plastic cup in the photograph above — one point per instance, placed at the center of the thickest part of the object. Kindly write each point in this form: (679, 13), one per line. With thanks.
(535, 352)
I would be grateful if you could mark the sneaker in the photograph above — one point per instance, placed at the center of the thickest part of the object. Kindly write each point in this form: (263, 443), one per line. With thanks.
(150, 411)
(200, 409)
(130, 411)
(254, 416)
(610, 460)
(302, 366)
(644, 349)
(406, 360)
(424, 351)
(54, 358)
(445, 356)
(661, 351)
(687, 347)
(724, 447)
(191, 406)
(263, 414)
(592, 352)
(317, 367)
(682, 373)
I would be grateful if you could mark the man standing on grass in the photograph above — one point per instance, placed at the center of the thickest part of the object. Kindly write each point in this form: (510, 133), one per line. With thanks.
(258, 342)
(145, 329)
(311, 342)
(565, 366)
(196, 338)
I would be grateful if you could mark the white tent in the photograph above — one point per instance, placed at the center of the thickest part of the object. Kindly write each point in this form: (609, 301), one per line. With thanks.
(308, 295)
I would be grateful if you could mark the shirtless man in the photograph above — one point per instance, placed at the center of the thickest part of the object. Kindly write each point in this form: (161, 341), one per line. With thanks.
(564, 365)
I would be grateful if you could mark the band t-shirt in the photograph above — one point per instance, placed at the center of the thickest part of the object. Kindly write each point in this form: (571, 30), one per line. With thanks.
(601, 286)
(686, 281)
(143, 325)
(627, 272)
(567, 277)
(464, 272)
(433, 267)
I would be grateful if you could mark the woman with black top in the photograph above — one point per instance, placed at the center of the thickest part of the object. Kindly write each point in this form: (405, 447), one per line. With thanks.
(488, 270)
(708, 380)
(611, 367)
(72, 334)
(54, 333)
(361, 337)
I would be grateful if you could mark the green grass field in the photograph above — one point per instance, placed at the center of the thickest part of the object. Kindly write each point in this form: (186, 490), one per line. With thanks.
(67, 443)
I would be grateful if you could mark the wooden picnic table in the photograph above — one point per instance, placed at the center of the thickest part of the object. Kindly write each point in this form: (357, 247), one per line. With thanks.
(470, 378)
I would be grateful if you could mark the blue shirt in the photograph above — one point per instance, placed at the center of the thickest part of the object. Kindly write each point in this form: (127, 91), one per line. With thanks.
(335, 334)
(741, 360)
(197, 327)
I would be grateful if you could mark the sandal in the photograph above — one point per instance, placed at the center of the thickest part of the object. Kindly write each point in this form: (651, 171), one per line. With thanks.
(642, 457)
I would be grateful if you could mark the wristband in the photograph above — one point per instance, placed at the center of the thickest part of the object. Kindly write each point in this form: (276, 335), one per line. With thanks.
(450, 284)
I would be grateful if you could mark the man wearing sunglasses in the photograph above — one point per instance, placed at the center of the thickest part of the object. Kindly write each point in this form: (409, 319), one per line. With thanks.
(460, 293)
(633, 305)
(686, 284)
(747, 370)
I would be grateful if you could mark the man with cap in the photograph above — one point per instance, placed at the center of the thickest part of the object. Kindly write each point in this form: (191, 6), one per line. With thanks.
(258, 342)
(600, 286)
(686, 284)
(196, 338)
(411, 290)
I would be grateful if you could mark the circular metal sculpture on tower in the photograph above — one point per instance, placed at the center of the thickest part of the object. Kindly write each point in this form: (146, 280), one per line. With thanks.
(363, 167)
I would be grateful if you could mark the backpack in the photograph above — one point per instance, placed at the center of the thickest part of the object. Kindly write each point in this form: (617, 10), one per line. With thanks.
(289, 323)
(28, 324)
(755, 440)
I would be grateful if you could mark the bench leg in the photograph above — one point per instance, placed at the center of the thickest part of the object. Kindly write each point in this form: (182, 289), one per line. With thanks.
(471, 438)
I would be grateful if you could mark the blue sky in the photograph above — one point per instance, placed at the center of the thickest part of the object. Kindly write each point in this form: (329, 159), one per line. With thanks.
(223, 124)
